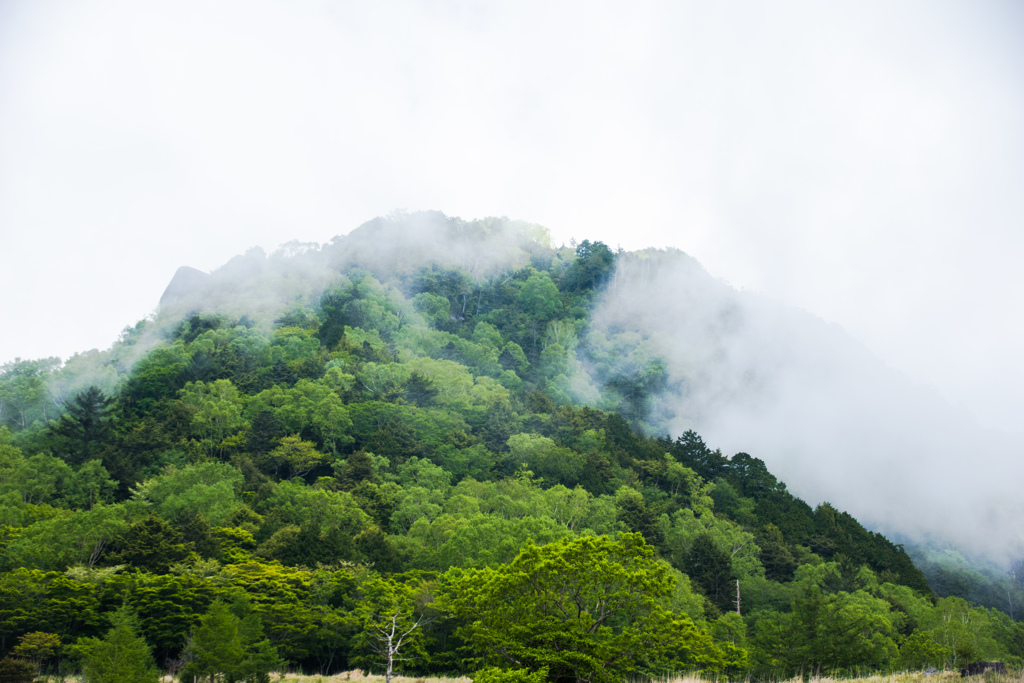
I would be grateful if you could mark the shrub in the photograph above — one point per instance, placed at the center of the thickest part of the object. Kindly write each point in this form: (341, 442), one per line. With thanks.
(495, 675)
(16, 671)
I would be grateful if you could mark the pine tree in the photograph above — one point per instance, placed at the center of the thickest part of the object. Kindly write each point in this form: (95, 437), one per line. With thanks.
(419, 389)
(122, 656)
(215, 646)
(357, 468)
(227, 644)
(151, 544)
(711, 569)
(85, 425)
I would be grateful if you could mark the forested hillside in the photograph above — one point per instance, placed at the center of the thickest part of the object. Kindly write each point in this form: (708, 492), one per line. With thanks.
(414, 427)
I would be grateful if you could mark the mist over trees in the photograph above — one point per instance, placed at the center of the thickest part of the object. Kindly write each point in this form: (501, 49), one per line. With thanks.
(751, 374)
(418, 449)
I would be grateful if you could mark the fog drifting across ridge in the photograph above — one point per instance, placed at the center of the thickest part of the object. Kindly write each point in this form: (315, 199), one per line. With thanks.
(261, 286)
(747, 373)
(830, 420)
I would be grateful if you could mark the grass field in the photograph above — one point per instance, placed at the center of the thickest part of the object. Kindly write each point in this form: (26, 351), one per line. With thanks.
(359, 677)
(941, 677)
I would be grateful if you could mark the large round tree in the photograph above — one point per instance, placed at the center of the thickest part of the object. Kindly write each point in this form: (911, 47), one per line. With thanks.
(590, 609)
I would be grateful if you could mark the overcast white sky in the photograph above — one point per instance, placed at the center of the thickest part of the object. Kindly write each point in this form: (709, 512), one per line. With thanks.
(861, 160)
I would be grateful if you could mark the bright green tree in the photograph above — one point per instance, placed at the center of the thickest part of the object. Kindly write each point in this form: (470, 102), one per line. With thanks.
(590, 608)
(215, 647)
(24, 391)
(225, 645)
(90, 485)
(36, 647)
(218, 413)
(826, 632)
(69, 539)
(539, 297)
(122, 656)
(295, 456)
(209, 488)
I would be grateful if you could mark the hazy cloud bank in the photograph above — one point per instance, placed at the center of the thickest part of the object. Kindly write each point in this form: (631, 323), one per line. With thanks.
(830, 419)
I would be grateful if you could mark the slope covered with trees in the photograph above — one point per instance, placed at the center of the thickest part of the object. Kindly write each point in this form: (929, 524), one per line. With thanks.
(402, 432)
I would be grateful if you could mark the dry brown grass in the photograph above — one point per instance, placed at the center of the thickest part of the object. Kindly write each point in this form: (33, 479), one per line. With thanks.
(358, 676)
(905, 677)
(908, 677)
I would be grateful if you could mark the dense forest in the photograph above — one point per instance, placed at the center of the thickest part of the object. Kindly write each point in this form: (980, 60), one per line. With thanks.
(408, 432)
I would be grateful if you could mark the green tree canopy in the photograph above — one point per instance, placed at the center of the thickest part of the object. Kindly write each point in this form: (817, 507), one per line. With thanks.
(122, 656)
(225, 644)
(85, 426)
(589, 608)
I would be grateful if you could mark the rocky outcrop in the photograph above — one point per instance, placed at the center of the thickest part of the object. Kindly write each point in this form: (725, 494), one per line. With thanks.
(186, 284)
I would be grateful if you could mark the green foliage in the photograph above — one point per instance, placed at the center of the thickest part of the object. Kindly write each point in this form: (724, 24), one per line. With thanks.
(74, 538)
(335, 454)
(13, 670)
(952, 572)
(295, 456)
(36, 646)
(539, 298)
(826, 631)
(25, 396)
(436, 309)
(38, 479)
(390, 622)
(778, 560)
(218, 413)
(711, 570)
(210, 489)
(589, 609)
(89, 486)
(556, 464)
(592, 267)
(308, 525)
(85, 427)
(150, 544)
(122, 656)
(493, 674)
(234, 647)
(636, 515)
(920, 651)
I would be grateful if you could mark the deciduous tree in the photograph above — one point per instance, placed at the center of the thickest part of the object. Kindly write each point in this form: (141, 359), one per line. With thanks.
(590, 609)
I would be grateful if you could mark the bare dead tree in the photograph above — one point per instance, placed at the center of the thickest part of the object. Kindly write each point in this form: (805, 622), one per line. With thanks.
(390, 636)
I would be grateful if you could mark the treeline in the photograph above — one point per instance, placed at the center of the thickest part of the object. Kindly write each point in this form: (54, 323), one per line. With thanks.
(409, 441)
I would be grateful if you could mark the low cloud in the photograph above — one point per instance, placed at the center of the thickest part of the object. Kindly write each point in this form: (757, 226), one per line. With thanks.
(829, 419)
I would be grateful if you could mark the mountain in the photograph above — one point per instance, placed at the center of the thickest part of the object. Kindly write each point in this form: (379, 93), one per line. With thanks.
(427, 397)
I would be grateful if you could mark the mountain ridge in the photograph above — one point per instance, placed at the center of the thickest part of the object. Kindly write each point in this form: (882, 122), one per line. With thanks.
(323, 407)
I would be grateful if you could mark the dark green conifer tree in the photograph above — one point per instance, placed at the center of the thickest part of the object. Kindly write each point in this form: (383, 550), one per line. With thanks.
(711, 569)
(85, 427)
(151, 544)
(779, 563)
(357, 468)
(419, 389)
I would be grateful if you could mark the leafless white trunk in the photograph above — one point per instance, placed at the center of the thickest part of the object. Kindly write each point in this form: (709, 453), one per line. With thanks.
(391, 638)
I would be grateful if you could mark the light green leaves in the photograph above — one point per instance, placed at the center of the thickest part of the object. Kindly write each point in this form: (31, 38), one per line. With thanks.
(589, 608)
